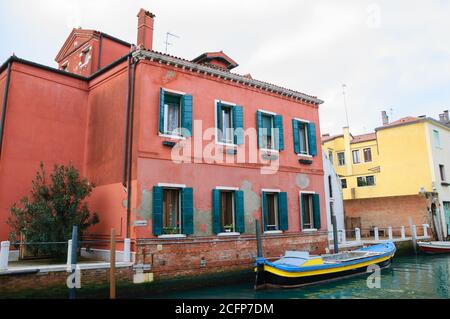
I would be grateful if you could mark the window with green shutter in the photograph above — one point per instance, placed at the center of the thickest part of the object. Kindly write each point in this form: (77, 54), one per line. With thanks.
(310, 211)
(230, 123)
(175, 114)
(304, 134)
(270, 131)
(275, 211)
(228, 211)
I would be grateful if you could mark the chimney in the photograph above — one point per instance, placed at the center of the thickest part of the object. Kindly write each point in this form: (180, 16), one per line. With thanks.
(145, 29)
(442, 118)
(385, 118)
(446, 116)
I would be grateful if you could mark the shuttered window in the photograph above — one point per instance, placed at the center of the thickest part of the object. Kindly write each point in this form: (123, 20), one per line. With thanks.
(304, 134)
(173, 211)
(175, 114)
(228, 211)
(310, 211)
(270, 131)
(275, 211)
(230, 123)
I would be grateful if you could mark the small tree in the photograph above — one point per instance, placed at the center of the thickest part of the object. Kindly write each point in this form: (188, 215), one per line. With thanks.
(54, 206)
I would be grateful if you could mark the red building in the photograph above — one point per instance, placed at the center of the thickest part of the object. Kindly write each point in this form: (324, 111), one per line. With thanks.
(123, 114)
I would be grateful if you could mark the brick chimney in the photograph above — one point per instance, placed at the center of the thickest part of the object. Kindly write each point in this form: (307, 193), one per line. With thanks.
(145, 29)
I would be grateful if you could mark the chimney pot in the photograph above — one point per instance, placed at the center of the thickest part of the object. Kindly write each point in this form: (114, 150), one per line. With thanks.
(446, 116)
(145, 29)
(385, 118)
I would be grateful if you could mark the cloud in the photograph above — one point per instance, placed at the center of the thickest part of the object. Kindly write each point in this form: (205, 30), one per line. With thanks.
(390, 54)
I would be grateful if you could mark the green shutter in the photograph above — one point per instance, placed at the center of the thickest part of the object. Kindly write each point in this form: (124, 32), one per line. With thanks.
(283, 217)
(263, 210)
(219, 120)
(239, 211)
(259, 124)
(303, 209)
(186, 114)
(278, 124)
(316, 208)
(312, 139)
(238, 125)
(217, 227)
(161, 110)
(157, 220)
(187, 211)
(295, 133)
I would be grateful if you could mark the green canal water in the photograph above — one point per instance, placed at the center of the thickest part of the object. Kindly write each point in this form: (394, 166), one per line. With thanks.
(409, 277)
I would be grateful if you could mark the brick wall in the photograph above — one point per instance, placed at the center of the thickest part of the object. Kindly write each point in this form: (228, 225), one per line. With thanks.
(184, 257)
(389, 211)
(57, 279)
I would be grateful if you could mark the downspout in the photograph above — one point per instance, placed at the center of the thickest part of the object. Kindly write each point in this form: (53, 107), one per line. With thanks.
(130, 144)
(127, 126)
(100, 49)
(4, 104)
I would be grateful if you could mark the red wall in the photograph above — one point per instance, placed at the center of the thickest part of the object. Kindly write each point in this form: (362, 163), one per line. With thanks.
(46, 116)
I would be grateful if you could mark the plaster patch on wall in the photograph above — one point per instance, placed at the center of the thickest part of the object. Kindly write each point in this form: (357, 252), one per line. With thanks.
(252, 205)
(169, 76)
(302, 181)
(145, 210)
(202, 222)
(124, 203)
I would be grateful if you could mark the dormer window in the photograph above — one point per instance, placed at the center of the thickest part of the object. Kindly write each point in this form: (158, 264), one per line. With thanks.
(85, 56)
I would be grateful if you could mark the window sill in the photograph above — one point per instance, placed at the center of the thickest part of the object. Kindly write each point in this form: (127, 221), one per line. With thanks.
(173, 137)
(305, 155)
(273, 232)
(173, 236)
(227, 145)
(269, 151)
(228, 234)
(310, 231)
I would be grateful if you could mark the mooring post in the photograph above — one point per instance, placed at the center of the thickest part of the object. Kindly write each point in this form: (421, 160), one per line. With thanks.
(377, 234)
(335, 234)
(127, 250)
(259, 249)
(403, 232)
(4, 255)
(358, 235)
(391, 236)
(73, 262)
(112, 268)
(343, 236)
(413, 234)
(69, 255)
(425, 230)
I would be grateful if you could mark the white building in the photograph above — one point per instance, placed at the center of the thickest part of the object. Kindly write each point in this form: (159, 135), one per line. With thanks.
(333, 196)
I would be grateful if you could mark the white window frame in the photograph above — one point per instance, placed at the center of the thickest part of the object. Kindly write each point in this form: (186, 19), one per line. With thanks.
(216, 101)
(437, 139)
(277, 221)
(308, 153)
(174, 187)
(233, 213)
(359, 156)
(312, 229)
(86, 50)
(371, 155)
(165, 135)
(338, 162)
(272, 114)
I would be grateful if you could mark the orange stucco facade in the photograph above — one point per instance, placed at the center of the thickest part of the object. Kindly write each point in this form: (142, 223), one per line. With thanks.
(79, 116)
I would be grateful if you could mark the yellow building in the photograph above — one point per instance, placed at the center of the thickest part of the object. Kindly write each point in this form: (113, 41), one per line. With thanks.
(396, 173)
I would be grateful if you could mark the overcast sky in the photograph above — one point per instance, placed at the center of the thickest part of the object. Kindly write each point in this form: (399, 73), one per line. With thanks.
(392, 55)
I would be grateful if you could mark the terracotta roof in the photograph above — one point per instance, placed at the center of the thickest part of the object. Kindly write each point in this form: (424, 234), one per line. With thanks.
(364, 138)
(407, 119)
(330, 138)
(208, 56)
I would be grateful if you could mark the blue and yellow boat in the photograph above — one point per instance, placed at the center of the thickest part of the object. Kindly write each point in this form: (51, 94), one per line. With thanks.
(297, 269)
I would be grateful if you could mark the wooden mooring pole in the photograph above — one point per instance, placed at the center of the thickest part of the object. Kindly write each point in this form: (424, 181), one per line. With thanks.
(73, 262)
(112, 268)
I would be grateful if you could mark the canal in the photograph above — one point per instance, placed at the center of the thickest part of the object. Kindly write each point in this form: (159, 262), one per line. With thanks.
(409, 277)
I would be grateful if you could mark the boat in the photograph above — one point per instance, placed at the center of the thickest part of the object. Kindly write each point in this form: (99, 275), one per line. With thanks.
(296, 268)
(434, 247)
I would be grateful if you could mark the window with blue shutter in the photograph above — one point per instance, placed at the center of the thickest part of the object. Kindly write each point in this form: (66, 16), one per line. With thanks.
(157, 218)
(316, 209)
(312, 139)
(217, 227)
(264, 211)
(175, 114)
(186, 114)
(239, 211)
(279, 137)
(283, 214)
(187, 211)
(295, 134)
(238, 124)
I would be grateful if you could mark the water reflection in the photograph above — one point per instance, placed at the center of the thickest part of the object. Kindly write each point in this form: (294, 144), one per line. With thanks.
(408, 277)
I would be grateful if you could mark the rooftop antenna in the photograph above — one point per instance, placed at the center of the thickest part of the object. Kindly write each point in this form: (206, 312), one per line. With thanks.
(344, 86)
(168, 34)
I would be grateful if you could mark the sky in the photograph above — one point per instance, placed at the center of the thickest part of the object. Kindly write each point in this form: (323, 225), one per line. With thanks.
(391, 55)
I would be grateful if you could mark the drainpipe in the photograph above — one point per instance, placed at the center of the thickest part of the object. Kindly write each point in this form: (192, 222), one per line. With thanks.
(130, 144)
(127, 125)
(4, 104)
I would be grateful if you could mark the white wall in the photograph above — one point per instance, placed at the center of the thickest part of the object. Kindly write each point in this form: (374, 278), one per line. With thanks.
(440, 155)
(337, 196)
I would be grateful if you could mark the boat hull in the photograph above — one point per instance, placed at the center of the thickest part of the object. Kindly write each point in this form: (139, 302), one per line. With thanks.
(272, 280)
(282, 274)
(433, 249)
